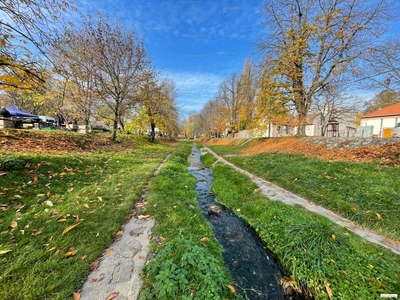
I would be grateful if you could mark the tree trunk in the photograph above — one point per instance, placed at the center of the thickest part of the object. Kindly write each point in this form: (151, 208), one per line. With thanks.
(153, 131)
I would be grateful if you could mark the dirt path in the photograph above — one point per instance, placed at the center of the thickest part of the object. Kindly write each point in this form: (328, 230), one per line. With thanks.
(276, 193)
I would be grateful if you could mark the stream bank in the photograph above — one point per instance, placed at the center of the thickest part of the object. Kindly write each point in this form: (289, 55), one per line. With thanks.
(255, 270)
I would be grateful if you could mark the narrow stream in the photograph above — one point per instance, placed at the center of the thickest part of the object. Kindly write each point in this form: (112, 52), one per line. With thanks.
(254, 270)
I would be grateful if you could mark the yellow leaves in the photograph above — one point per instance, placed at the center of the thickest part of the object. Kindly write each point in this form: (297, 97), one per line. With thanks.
(71, 252)
(77, 296)
(141, 217)
(334, 236)
(378, 216)
(4, 251)
(205, 239)
(13, 224)
(110, 251)
(37, 232)
(86, 206)
(289, 283)
(70, 228)
(232, 288)
(329, 291)
(112, 296)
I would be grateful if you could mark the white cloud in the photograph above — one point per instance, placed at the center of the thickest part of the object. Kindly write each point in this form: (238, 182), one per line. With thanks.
(194, 89)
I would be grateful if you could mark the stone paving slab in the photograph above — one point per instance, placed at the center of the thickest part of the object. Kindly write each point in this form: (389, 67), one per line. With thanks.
(118, 273)
(275, 192)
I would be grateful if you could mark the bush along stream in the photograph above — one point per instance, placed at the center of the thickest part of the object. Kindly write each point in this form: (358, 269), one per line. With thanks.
(255, 271)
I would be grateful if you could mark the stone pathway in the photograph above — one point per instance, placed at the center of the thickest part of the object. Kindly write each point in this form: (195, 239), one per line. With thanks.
(276, 193)
(117, 273)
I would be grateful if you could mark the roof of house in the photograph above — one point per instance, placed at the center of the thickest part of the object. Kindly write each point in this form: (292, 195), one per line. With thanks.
(311, 118)
(392, 110)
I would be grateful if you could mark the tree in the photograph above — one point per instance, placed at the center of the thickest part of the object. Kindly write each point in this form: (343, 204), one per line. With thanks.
(383, 63)
(157, 103)
(25, 33)
(333, 104)
(383, 99)
(194, 125)
(213, 116)
(228, 93)
(247, 93)
(272, 101)
(73, 79)
(312, 42)
(115, 59)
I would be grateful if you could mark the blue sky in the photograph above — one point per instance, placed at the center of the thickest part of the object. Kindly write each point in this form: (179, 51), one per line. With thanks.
(197, 43)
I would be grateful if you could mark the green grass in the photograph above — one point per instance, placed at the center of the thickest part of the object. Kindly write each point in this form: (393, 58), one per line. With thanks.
(366, 193)
(189, 262)
(93, 192)
(321, 255)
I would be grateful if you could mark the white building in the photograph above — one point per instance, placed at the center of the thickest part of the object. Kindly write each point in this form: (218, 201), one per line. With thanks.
(382, 120)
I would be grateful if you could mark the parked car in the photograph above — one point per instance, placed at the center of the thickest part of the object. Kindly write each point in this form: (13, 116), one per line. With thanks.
(102, 128)
(396, 131)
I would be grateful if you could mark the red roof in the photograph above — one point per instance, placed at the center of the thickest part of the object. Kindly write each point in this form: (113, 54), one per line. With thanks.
(392, 110)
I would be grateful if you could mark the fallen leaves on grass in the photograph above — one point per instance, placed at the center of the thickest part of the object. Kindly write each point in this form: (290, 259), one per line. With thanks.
(329, 291)
(71, 252)
(70, 228)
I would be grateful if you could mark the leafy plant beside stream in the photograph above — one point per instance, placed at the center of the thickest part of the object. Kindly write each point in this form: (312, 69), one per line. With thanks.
(325, 258)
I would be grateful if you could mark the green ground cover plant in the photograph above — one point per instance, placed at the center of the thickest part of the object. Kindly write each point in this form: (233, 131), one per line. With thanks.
(326, 259)
(60, 211)
(188, 262)
(366, 193)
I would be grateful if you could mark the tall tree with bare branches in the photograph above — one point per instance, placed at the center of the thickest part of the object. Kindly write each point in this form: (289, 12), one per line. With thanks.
(312, 42)
(115, 58)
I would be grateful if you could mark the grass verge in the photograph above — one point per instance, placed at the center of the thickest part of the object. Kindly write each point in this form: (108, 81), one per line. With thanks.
(59, 213)
(326, 259)
(366, 193)
(189, 262)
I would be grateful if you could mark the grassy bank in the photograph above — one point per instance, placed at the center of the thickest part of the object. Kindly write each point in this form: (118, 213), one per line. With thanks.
(189, 262)
(60, 211)
(325, 258)
(366, 193)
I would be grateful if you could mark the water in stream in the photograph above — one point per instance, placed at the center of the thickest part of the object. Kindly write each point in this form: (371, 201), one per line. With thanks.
(254, 270)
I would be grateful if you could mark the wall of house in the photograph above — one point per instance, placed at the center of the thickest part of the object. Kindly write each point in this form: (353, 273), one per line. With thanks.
(380, 123)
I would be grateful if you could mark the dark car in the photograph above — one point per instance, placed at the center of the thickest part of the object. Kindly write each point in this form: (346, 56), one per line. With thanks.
(100, 128)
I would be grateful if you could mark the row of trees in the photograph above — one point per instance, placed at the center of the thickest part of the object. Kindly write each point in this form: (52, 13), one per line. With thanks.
(98, 70)
(313, 53)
